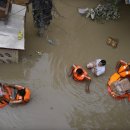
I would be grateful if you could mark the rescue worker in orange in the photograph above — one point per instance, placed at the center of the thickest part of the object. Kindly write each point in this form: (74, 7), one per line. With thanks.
(22, 94)
(79, 74)
(123, 68)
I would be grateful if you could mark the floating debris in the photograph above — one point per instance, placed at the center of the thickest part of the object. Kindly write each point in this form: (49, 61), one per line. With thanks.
(112, 42)
(105, 12)
(50, 41)
(39, 53)
(83, 11)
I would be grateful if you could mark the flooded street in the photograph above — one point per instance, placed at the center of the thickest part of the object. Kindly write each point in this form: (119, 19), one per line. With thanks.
(58, 102)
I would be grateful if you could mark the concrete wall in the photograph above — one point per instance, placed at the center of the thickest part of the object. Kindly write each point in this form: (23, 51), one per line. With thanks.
(8, 56)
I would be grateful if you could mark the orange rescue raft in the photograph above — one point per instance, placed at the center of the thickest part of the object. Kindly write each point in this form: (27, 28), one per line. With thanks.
(113, 78)
(9, 91)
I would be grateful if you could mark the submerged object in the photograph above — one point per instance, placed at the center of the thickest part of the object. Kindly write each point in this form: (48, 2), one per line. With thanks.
(119, 84)
(112, 42)
(42, 14)
(41, 10)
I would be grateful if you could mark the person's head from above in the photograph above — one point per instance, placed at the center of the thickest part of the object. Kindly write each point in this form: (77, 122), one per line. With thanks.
(79, 71)
(102, 63)
(21, 92)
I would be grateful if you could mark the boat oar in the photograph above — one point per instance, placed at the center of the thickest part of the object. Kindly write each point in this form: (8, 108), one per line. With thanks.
(87, 85)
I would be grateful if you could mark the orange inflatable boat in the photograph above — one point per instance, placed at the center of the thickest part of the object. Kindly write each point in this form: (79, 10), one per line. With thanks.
(13, 92)
(119, 82)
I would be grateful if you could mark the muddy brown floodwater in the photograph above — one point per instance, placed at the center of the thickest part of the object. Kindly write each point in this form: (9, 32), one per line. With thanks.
(57, 101)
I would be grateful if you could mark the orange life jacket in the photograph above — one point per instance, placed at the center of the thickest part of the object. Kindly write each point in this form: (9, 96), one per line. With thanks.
(114, 78)
(26, 97)
(80, 77)
(122, 68)
(123, 72)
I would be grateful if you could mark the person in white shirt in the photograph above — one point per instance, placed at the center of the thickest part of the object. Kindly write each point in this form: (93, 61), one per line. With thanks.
(97, 67)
